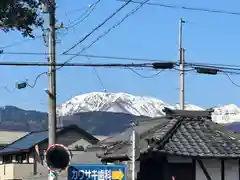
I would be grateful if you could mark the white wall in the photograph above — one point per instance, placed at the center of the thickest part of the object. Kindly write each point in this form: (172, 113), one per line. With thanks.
(213, 167)
(15, 171)
(231, 169)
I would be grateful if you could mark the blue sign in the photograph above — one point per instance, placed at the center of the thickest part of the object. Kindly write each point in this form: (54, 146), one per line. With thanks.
(97, 172)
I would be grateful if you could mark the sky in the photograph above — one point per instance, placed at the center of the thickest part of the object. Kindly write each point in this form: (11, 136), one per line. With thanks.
(151, 33)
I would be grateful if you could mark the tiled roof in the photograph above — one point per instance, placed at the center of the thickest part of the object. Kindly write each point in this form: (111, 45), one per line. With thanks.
(196, 137)
(28, 141)
(184, 133)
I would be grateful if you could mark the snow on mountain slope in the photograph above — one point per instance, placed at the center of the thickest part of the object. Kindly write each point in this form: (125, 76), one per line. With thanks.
(116, 102)
(228, 113)
(137, 105)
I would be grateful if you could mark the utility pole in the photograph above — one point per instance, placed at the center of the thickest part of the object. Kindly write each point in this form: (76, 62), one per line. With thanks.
(181, 63)
(133, 152)
(52, 115)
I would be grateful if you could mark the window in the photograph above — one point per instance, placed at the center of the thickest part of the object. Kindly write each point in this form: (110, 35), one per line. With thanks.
(24, 157)
(21, 158)
(7, 159)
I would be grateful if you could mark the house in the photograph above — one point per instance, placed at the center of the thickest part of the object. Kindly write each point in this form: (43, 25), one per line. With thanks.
(7, 137)
(183, 145)
(18, 160)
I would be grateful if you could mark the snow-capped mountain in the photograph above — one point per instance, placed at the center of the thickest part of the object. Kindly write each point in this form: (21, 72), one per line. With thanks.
(226, 114)
(113, 102)
(137, 105)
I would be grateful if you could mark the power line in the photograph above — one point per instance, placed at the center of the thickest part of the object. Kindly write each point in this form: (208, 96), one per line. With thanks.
(231, 67)
(165, 65)
(36, 79)
(157, 65)
(84, 16)
(230, 79)
(210, 65)
(97, 27)
(98, 76)
(74, 64)
(106, 32)
(76, 10)
(7, 89)
(146, 77)
(24, 84)
(113, 27)
(187, 8)
(226, 66)
(222, 68)
(91, 56)
(18, 43)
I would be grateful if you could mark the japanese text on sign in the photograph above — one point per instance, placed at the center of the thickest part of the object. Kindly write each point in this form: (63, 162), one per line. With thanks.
(91, 174)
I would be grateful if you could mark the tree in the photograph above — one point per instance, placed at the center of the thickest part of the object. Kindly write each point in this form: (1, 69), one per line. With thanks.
(20, 15)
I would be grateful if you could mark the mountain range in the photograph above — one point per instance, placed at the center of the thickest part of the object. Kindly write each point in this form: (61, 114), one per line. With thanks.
(106, 113)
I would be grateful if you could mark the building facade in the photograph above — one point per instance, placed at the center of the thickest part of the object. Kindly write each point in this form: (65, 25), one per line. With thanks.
(183, 145)
(19, 160)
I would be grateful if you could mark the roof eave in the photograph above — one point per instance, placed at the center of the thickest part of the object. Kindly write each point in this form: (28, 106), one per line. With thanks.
(119, 157)
(203, 156)
(16, 152)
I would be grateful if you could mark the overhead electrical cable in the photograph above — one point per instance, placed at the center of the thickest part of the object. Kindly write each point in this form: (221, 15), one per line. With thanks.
(97, 27)
(146, 77)
(84, 16)
(165, 65)
(230, 79)
(91, 56)
(98, 76)
(157, 66)
(105, 33)
(7, 89)
(186, 8)
(117, 24)
(110, 29)
(18, 43)
(221, 66)
(215, 67)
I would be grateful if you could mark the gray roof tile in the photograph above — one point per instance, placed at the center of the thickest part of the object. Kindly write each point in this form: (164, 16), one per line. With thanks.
(200, 138)
(183, 135)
